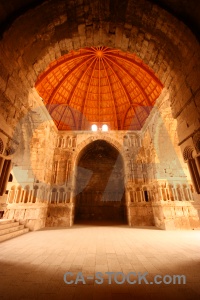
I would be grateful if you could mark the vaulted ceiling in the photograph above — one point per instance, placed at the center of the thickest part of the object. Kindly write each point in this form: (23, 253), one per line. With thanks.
(186, 11)
(99, 85)
(78, 91)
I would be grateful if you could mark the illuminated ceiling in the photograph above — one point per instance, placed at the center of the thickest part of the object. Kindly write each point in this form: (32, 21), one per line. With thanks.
(99, 85)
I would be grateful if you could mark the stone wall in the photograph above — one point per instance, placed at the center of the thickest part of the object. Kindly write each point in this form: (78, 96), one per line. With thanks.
(59, 215)
(165, 202)
(158, 187)
(31, 152)
(161, 41)
(150, 186)
(176, 215)
(165, 44)
(32, 216)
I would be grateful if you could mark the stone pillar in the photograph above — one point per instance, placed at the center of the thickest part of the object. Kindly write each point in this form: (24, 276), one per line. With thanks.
(190, 195)
(134, 196)
(68, 198)
(182, 193)
(30, 196)
(138, 196)
(56, 197)
(23, 196)
(167, 194)
(15, 196)
(128, 196)
(74, 142)
(173, 194)
(159, 193)
(18, 196)
(11, 196)
(63, 143)
(70, 142)
(142, 196)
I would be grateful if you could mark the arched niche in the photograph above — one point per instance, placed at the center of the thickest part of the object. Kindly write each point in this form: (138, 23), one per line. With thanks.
(99, 184)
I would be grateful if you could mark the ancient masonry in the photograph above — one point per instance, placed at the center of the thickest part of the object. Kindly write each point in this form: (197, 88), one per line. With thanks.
(160, 162)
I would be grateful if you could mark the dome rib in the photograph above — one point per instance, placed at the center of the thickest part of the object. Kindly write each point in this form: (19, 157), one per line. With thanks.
(113, 100)
(135, 115)
(145, 69)
(64, 111)
(99, 85)
(85, 99)
(131, 105)
(58, 63)
(99, 110)
(75, 86)
(65, 78)
(128, 97)
(124, 89)
(135, 80)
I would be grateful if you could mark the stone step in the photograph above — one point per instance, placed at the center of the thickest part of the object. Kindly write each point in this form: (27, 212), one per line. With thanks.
(8, 225)
(13, 234)
(11, 229)
(6, 221)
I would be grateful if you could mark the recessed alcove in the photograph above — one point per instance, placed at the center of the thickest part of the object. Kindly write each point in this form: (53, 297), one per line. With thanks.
(100, 191)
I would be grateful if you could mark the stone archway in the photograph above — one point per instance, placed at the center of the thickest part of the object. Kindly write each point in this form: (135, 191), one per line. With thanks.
(162, 42)
(100, 192)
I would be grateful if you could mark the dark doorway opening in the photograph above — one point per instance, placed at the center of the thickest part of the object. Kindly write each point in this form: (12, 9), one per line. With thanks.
(100, 197)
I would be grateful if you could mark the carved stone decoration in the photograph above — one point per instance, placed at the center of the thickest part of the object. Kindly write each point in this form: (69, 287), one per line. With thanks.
(196, 141)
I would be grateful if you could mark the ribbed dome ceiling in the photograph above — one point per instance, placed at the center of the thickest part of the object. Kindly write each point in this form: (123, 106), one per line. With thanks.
(98, 86)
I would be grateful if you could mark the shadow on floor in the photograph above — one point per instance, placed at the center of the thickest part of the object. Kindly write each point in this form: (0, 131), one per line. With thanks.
(32, 281)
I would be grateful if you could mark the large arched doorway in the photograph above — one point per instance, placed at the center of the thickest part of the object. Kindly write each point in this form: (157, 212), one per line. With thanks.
(100, 193)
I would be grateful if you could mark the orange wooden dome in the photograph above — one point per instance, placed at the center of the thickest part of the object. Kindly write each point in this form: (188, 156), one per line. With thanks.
(99, 85)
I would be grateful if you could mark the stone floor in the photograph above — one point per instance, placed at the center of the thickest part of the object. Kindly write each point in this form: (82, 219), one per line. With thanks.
(33, 265)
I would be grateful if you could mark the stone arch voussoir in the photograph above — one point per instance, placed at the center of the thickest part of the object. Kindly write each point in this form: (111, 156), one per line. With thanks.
(109, 140)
